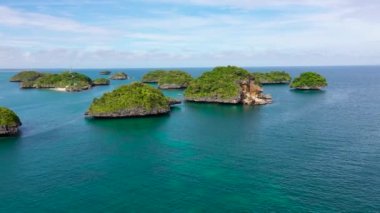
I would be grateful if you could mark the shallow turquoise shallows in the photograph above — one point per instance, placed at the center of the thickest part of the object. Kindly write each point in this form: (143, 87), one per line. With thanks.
(315, 151)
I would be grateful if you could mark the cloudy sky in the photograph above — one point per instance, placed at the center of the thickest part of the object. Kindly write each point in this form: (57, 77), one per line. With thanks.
(188, 33)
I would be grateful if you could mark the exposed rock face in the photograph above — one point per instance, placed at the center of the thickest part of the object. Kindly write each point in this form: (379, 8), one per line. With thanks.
(9, 122)
(9, 130)
(119, 76)
(171, 86)
(252, 94)
(174, 101)
(308, 88)
(136, 112)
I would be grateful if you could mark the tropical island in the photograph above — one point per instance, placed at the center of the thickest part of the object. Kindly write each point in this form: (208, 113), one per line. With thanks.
(65, 81)
(132, 100)
(153, 76)
(274, 77)
(105, 72)
(232, 85)
(26, 76)
(119, 76)
(9, 122)
(101, 82)
(170, 79)
(309, 81)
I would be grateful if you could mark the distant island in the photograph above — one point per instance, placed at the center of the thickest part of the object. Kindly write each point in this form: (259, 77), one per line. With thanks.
(233, 85)
(309, 81)
(105, 72)
(100, 82)
(9, 122)
(274, 77)
(132, 100)
(119, 76)
(171, 79)
(65, 81)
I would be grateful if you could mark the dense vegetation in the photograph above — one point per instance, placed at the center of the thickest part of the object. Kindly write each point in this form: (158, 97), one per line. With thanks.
(175, 78)
(119, 76)
(135, 96)
(72, 81)
(100, 81)
(26, 76)
(221, 83)
(309, 80)
(274, 77)
(8, 117)
(153, 76)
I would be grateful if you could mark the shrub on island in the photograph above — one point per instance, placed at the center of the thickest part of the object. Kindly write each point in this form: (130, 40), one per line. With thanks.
(133, 100)
(100, 82)
(309, 81)
(274, 77)
(9, 122)
(228, 84)
(119, 76)
(26, 76)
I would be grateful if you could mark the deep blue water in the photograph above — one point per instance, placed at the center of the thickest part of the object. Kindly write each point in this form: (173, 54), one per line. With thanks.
(308, 151)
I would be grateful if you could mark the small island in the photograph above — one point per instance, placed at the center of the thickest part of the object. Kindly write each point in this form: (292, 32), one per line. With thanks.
(153, 76)
(309, 81)
(9, 122)
(232, 85)
(119, 76)
(26, 76)
(101, 82)
(105, 72)
(132, 100)
(170, 79)
(274, 77)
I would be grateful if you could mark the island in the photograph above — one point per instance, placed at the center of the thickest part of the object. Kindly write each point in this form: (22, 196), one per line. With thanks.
(273, 77)
(153, 76)
(26, 76)
(105, 72)
(100, 82)
(119, 76)
(309, 81)
(9, 122)
(170, 79)
(65, 81)
(132, 100)
(230, 84)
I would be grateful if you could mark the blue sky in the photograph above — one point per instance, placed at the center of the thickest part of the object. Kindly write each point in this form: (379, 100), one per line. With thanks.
(191, 33)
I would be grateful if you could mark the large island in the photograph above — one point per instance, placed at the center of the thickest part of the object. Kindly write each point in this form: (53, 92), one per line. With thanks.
(9, 122)
(232, 85)
(133, 100)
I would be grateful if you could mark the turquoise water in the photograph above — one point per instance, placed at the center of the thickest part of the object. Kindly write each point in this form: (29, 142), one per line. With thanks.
(308, 151)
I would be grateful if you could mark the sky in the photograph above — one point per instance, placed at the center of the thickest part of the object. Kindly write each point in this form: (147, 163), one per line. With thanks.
(188, 33)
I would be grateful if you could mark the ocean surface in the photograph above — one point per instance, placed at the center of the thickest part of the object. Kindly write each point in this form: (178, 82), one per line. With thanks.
(309, 151)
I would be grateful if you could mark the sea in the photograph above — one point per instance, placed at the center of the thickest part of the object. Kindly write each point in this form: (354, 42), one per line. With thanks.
(308, 151)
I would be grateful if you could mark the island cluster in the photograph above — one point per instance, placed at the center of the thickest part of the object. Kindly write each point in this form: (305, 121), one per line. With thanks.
(224, 85)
